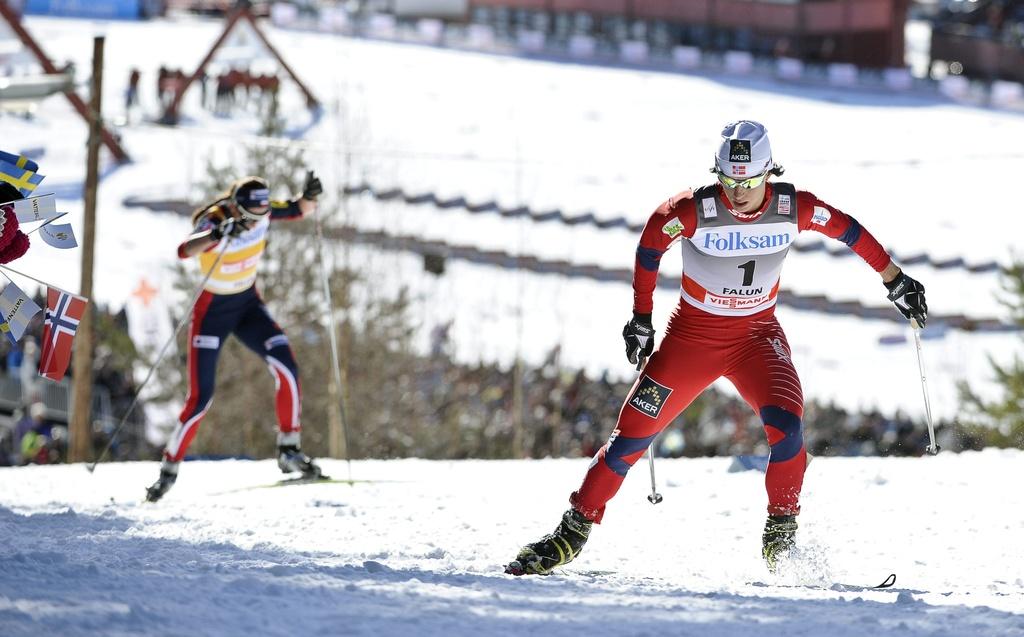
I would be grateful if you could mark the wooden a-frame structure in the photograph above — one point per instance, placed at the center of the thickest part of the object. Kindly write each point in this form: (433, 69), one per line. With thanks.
(240, 12)
(11, 18)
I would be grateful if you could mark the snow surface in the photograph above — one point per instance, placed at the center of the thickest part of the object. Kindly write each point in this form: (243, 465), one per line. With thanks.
(418, 549)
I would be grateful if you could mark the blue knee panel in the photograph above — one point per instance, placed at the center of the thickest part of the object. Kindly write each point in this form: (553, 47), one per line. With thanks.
(622, 447)
(789, 424)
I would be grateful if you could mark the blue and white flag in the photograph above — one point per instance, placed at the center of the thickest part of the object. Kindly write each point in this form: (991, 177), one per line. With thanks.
(16, 310)
(18, 160)
(41, 208)
(20, 172)
(59, 235)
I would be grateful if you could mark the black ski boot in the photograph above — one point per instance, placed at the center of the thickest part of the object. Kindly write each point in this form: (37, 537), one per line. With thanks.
(778, 539)
(290, 458)
(552, 551)
(168, 474)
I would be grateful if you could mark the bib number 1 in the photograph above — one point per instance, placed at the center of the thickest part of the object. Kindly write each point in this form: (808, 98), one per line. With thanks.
(748, 272)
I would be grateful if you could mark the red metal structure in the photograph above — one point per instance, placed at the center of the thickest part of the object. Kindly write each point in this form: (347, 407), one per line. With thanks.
(863, 32)
(11, 17)
(237, 14)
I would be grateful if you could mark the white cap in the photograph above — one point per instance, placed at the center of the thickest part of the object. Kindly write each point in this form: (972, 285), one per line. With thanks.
(745, 151)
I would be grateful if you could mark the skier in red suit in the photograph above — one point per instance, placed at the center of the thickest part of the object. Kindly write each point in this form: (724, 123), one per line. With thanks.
(734, 236)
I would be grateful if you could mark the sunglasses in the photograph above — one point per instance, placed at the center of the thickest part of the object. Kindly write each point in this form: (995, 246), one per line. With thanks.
(751, 182)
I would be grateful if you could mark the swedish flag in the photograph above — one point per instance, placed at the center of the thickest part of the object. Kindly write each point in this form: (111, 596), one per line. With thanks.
(20, 172)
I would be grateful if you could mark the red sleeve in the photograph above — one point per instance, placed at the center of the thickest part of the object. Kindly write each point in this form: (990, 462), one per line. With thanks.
(814, 214)
(204, 223)
(672, 221)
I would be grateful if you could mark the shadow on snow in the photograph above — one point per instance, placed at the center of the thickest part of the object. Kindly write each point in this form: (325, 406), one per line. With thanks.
(76, 574)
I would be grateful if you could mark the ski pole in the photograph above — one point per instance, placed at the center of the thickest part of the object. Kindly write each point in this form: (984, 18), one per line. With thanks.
(655, 497)
(932, 448)
(160, 357)
(332, 329)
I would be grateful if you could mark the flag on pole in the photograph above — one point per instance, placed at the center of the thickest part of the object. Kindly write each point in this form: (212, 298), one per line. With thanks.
(20, 172)
(19, 161)
(17, 309)
(41, 208)
(63, 312)
(59, 235)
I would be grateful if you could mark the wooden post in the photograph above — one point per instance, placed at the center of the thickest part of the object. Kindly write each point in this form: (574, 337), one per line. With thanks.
(518, 407)
(81, 387)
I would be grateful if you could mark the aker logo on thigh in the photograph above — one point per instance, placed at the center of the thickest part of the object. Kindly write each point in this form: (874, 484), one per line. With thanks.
(649, 397)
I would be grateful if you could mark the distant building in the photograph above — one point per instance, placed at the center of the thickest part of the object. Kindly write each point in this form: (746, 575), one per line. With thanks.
(867, 33)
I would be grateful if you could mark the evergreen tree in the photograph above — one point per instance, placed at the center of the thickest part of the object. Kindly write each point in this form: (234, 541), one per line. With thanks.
(1001, 422)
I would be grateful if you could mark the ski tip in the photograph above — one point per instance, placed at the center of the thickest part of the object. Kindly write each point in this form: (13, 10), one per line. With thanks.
(889, 581)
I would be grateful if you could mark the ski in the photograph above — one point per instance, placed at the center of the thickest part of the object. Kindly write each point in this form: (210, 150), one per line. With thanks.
(287, 482)
(889, 582)
(293, 482)
(838, 587)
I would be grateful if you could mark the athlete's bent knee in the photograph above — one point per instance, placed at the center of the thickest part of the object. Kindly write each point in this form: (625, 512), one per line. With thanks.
(785, 433)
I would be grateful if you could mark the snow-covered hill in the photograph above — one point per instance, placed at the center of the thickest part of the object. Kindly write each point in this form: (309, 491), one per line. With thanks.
(417, 548)
(922, 174)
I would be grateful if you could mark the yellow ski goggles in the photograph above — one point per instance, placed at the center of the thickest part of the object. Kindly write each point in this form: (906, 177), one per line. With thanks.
(749, 183)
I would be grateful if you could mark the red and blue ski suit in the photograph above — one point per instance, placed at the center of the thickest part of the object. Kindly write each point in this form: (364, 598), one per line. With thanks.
(230, 304)
(724, 325)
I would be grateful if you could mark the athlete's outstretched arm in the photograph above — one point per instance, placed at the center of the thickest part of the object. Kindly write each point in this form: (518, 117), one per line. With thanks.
(672, 221)
(906, 293)
(832, 222)
(299, 207)
(205, 235)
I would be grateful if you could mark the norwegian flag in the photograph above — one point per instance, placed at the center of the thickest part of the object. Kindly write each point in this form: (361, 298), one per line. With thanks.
(63, 312)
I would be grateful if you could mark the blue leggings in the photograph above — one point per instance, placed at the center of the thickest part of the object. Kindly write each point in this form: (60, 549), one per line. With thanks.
(214, 318)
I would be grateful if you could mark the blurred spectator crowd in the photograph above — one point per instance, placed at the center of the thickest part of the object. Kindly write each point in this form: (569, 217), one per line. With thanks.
(221, 93)
(568, 413)
(1001, 20)
(34, 411)
(470, 411)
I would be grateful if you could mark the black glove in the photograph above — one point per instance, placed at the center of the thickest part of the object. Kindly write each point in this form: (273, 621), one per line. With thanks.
(313, 188)
(229, 227)
(639, 336)
(908, 296)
